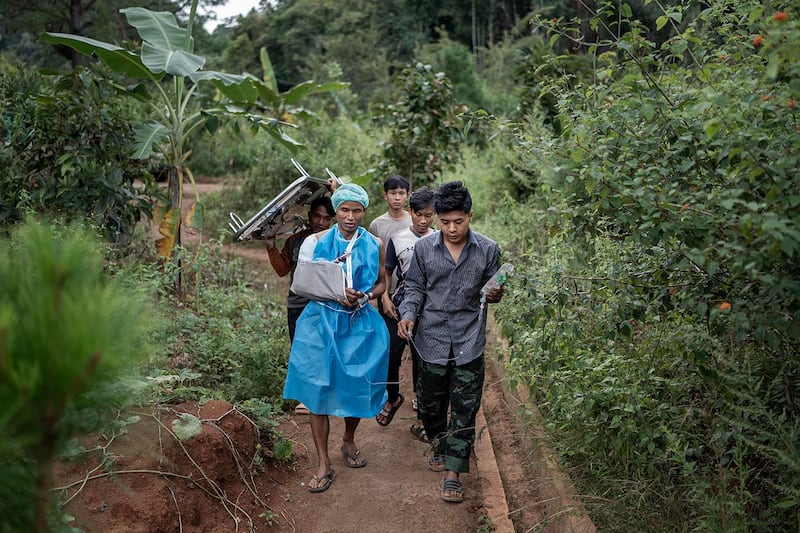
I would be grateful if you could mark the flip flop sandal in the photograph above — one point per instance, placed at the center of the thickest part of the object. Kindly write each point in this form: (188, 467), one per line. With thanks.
(301, 409)
(323, 482)
(436, 462)
(389, 415)
(419, 432)
(452, 486)
(357, 459)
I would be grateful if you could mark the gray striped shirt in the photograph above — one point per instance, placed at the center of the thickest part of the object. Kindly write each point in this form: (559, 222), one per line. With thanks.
(443, 298)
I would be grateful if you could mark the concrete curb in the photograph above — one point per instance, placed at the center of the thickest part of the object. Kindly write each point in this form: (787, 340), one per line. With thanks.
(563, 510)
(494, 496)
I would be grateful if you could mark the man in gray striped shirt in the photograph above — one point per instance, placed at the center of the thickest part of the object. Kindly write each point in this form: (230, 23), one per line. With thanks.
(443, 317)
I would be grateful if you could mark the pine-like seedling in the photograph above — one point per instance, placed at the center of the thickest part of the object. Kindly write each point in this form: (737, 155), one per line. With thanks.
(67, 329)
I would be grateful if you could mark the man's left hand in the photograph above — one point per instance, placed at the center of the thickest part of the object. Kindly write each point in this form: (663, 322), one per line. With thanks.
(494, 295)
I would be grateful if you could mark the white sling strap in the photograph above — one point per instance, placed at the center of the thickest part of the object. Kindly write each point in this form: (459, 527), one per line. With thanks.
(348, 264)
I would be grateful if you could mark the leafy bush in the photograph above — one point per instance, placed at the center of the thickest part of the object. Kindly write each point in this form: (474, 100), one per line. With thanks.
(424, 124)
(229, 151)
(658, 322)
(228, 338)
(66, 151)
(456, 61)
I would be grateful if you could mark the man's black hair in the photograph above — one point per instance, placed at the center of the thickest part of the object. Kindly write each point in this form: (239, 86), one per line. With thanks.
(394, 181)
(420, 199)
(322, 200)
(452, 196)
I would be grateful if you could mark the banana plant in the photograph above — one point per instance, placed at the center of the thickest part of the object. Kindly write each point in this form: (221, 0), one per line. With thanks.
(169, 77)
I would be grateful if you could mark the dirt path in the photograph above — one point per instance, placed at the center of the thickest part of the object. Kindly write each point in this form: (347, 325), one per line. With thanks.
(395, 492)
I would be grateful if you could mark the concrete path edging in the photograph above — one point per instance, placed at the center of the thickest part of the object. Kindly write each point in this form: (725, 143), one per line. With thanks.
(494, 496)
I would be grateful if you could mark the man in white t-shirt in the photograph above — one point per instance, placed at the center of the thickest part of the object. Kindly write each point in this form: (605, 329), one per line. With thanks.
(396, 218)
(399, 253)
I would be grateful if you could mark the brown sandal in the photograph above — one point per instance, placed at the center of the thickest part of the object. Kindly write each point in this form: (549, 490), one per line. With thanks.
(388, 415)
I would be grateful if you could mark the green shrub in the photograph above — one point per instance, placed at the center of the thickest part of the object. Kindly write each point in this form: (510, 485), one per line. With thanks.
(228, 152)
(425, 129)
(227, 337)
(657, 320)
(65, 151)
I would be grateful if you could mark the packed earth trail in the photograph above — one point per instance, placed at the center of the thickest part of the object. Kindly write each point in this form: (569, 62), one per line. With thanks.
(395, 492)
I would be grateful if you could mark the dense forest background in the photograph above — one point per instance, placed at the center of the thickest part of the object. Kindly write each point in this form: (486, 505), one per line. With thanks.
(637, 161)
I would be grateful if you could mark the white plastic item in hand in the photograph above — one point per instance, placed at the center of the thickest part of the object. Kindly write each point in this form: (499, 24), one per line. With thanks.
(498, 280)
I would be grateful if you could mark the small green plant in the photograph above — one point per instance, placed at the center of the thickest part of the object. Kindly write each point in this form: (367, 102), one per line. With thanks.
(66, 331)
(425, 127)
(270, 517)
(484, 524)
(282, 449)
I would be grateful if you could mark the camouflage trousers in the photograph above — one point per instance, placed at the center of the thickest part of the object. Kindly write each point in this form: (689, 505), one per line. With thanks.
(458, 388)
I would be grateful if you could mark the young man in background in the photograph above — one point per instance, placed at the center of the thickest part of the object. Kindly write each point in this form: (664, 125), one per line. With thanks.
(284, 261)
(399, 252)
(396, 218)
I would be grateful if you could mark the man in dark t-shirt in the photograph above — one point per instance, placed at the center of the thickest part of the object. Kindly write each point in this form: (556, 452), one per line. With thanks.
(284, 261)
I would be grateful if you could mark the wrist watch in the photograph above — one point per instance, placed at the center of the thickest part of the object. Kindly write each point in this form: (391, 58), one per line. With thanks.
(364, 300)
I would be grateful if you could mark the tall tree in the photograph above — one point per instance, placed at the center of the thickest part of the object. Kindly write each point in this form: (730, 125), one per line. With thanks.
(102, 19)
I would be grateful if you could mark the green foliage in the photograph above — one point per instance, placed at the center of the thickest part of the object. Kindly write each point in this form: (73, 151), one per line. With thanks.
(65, 152)
(229, 338)
(658, 316)
(538, 70)
(425, 127)
(229, 151)
(263, 415)
(66, 330)
(496, 69)
(456, 61)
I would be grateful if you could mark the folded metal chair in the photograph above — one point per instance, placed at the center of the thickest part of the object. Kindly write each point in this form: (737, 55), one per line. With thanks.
(286, 213)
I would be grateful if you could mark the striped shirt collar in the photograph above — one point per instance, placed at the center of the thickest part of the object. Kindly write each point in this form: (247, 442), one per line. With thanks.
(471, 239)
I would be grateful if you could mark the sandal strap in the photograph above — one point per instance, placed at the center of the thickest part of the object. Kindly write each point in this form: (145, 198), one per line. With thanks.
(452, 485)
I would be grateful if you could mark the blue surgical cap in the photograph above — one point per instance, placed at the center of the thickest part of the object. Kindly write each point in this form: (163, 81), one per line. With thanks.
(349, 192)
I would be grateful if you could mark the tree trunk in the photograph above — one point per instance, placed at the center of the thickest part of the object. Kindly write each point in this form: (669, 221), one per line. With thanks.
(76, 27)
(175, 190)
